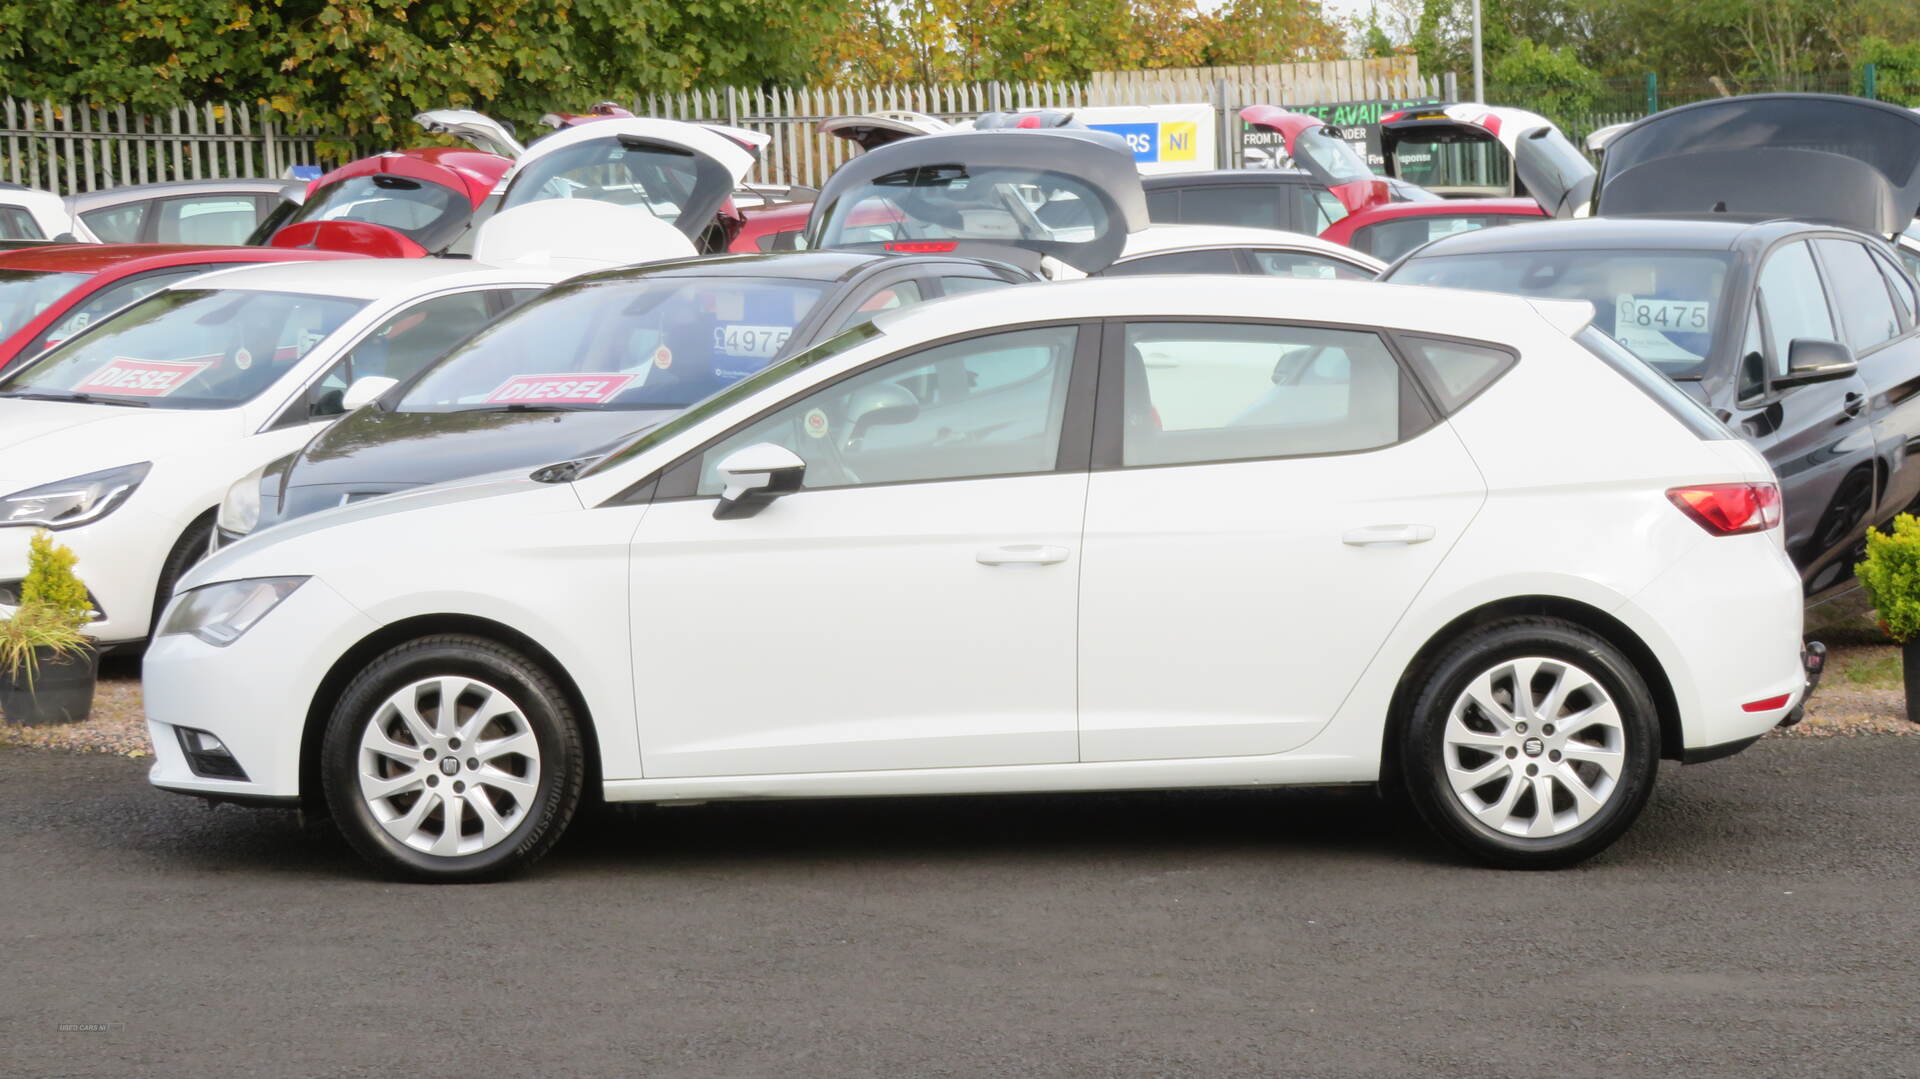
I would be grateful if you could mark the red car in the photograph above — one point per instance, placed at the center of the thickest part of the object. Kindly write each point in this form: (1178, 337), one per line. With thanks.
(48, 294)
(1392, 229)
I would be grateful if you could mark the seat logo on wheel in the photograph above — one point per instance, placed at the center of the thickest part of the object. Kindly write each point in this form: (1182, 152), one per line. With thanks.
(1533, 747)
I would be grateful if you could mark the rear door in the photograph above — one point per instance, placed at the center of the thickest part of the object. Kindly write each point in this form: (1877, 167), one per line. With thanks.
(1819, 438)
(1881, 333)
(1330, 160)
(682, 173)
(1266, 502)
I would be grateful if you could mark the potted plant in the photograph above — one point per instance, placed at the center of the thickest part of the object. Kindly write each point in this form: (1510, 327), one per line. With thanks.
(1891, 576)
(47, 663)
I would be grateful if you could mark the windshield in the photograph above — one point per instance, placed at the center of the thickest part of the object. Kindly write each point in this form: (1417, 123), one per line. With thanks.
(1660, 304)
(24, 294)
(646, 343)
(429, 215)
(664, 179)
(994, 204)
(187, 348)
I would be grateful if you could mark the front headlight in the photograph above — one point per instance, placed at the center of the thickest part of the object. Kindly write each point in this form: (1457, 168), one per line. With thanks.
(240, 510)
(78, 501)
(219, 613)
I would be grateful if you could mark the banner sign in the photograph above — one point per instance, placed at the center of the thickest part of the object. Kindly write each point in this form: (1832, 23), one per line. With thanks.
(1357, 121)
(1163, 138)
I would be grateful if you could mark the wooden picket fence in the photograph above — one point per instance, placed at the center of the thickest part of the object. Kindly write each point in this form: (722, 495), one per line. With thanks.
(71, 148)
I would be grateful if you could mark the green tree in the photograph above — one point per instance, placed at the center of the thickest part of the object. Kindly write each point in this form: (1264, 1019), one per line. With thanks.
(1552, 82)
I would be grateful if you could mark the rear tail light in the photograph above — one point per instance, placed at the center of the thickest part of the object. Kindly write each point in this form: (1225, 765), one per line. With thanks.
(922, 247)
(1730, 509)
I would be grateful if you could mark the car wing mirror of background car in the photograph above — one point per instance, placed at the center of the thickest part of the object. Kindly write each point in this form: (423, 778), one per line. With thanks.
(1811, 360)
(756, 475)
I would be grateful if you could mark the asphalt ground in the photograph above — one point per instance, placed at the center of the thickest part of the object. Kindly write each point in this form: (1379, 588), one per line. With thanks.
(1761, 919)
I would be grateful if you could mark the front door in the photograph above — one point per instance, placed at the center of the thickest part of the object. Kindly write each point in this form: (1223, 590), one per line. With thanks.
(1282, 493)
(913, 605)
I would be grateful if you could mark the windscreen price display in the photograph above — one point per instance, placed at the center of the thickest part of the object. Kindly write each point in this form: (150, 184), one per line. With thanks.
(762, 342)
(1679, 316)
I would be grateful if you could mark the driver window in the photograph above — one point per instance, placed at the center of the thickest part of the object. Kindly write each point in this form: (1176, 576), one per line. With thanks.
(988, 406)
(402, 346)
(1795, 301)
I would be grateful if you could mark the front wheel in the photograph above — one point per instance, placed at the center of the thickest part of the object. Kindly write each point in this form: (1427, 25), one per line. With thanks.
(452, 758)
(1532, 743)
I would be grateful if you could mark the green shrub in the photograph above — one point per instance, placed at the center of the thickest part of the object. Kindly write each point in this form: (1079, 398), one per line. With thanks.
(1891, 576)
(53, 610)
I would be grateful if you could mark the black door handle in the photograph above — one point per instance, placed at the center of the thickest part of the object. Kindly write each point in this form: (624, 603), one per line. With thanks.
(1854, 402)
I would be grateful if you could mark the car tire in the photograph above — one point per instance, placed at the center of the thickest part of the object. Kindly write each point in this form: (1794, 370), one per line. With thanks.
(187, 553)
(1584, 739)
(474, 796)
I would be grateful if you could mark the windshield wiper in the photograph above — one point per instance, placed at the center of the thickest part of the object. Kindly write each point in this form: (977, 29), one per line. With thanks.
(522, 407)
(78, 398)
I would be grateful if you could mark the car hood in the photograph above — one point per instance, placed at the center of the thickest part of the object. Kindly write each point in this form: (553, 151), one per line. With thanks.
(45, 441)
(375, 452)
(1840, 160)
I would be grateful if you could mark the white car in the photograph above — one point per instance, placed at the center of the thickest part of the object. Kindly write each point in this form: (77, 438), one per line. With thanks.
(124, 439)
(1234, 249)
(1113, 534)
(28, 213)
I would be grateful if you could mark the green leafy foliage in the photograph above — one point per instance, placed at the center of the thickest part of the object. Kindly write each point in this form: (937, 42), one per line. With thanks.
(52, 613)
(1558, 85)
(1891, 576)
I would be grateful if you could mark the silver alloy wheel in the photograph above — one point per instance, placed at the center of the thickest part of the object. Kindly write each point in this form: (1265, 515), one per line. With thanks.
(1534, 747)
(449, 766)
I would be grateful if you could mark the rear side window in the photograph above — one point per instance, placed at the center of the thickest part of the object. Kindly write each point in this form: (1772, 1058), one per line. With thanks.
(117, 224)
(1678, 403)
(18, 224)
(1455, 371)
(1282, 263)
(1253, 206)
(1866, 308)
(1901, 285)
(1196, 392)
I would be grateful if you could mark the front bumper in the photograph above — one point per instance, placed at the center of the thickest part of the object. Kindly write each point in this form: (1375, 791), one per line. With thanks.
(253, 695)
(120, 557)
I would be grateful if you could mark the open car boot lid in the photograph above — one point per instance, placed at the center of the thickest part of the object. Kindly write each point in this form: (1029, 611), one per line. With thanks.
(1815, 157)
(1021, 196)
(682, 173)
(870, 130)
(1315, 146)
(1547, 166)
(479, 130)
(577, 234)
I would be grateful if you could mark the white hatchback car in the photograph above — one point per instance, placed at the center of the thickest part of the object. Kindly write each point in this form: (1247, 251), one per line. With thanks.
(1146, 533)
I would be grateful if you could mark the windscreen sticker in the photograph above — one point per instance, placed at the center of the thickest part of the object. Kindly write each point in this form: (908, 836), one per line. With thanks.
(760, 342)
(1662, 316)
(124, 376)
(243, 359)
(576, 389)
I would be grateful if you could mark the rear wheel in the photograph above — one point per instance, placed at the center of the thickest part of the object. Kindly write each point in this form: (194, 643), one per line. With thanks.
(452, 758)
(1533, 743)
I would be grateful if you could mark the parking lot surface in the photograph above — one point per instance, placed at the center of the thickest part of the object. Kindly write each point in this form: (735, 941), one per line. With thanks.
(1761, 919)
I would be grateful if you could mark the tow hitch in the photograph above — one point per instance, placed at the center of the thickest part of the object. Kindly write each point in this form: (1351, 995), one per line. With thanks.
(1813, 658)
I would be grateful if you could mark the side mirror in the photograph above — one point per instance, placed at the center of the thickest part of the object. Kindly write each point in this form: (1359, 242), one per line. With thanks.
(755, 476)
(366, 391)
(879, 406)
(1811, 360)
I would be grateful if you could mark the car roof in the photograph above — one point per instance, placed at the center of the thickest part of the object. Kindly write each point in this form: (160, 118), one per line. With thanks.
(136, 192)
(1157, 238)
(94, 258)
(830, 265)
(1419, 308)
(370, 279)
(1649, 233)
(1496, 207)
(1225, 176)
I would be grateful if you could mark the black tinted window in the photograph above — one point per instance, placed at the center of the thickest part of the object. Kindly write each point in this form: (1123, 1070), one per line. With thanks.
(1455, 372)
(1866, 308)
(1259, 207)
